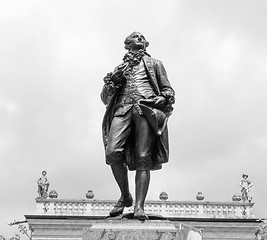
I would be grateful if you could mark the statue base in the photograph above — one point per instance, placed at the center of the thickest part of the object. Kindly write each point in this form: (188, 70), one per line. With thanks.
(133, 230)
(91, 228)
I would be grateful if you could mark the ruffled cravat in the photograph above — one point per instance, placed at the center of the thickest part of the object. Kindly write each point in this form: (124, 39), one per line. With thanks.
(133, 58)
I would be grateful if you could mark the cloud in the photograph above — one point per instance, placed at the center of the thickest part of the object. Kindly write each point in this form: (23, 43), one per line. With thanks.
(9, 107)
(221, 53)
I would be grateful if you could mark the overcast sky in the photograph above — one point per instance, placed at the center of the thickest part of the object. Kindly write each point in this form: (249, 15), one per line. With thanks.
(53, 57)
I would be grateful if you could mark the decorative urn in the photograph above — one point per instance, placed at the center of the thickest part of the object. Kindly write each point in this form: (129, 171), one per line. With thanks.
(90, 194)
(236, 197)
(163, 196)
(53, 194)
(200, 196)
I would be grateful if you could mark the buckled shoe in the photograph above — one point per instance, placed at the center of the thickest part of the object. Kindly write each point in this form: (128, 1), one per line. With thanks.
(121, 204)
(140, 214)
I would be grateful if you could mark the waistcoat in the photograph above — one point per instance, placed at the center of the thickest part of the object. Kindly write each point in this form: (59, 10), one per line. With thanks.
(137, 86)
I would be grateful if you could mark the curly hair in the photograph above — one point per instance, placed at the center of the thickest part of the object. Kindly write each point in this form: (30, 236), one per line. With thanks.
(127, 41)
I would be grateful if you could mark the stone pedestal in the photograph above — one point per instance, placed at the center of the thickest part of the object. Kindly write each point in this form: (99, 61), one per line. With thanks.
(80, 228)
(133, 230)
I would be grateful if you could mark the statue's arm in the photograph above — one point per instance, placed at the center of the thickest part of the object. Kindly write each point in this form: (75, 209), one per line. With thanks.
(164, 85)
(39, 181)
(250, 184)
(107, 89)
(112, 81)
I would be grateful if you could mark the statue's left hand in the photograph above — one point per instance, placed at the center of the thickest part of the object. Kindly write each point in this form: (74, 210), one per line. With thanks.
(159, 101)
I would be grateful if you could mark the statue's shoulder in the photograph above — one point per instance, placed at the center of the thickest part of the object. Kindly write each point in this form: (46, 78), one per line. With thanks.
(120, 66)
(151, 61)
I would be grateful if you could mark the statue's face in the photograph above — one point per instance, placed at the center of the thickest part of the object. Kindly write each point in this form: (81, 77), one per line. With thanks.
(137, 41)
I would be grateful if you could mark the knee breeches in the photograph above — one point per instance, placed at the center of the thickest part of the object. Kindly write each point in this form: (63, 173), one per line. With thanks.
(122, 127)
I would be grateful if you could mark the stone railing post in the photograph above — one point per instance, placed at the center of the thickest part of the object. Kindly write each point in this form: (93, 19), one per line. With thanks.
(200, 211)
(39, 206)
(239, 211)
(88, 208)
(164, 208)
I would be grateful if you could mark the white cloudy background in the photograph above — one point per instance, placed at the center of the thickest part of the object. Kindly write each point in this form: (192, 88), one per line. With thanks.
(53, 56)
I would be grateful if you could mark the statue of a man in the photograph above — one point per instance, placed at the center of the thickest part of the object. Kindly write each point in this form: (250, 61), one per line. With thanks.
(139, 101)
(245, 184)
(43, 185)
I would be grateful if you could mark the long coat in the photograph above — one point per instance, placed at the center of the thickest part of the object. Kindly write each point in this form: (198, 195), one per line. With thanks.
(161, 86)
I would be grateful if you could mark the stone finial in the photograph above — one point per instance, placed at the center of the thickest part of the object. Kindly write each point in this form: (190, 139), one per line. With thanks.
(236, 197)
(90, 194)
(200, 196)
(245, 185)
(43, 185)
(163, 196)
(53, 194)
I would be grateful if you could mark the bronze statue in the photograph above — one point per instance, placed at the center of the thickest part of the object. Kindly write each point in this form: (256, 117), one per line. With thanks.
(139, 101)
(43, 185)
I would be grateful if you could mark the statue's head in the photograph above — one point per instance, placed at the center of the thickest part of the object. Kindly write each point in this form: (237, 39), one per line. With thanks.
(136, 41)
(44, 173)
(245, 176)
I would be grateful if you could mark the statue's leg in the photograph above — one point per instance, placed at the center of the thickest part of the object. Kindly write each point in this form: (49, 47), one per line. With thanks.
(142, 179)
(144, 143)
(39, 190)
(249, 196)
(119, 131)
(120, 173)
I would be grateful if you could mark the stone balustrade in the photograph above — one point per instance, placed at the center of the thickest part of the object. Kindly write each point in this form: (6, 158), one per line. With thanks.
(168, 209)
